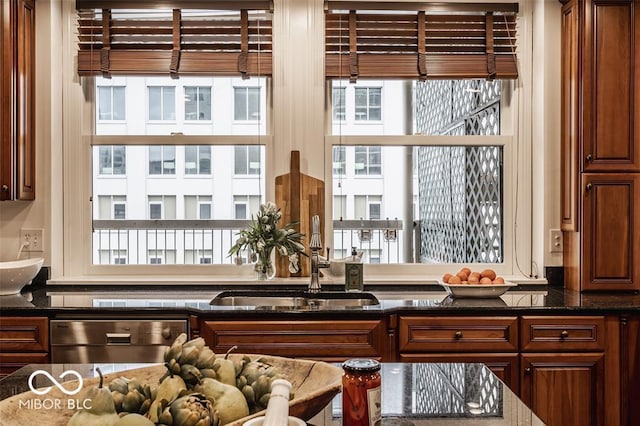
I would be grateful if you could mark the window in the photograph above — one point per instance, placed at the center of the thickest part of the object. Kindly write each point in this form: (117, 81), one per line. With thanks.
(111, 103)
(113, 160)
(162, 103)
(119, 211)
(338, 99)
(162, 160)
(248, 160)
(111, 207)
(245, 206)
(339, 207)
(197, 103)
(367, 206)
(162, 207)
(368, 160)
(339, 160)
(197, 207)
(246, 103)
(368, 103)
(197, 160)
(155, 260)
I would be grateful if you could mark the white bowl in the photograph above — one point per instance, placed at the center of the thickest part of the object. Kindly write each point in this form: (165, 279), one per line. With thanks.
(257, 421)
(17, 274)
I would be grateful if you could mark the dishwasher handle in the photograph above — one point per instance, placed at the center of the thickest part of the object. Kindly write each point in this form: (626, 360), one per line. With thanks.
(118, 338)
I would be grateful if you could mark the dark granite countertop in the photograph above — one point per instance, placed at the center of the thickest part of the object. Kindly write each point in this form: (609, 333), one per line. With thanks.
(412, 393)
(59, 300)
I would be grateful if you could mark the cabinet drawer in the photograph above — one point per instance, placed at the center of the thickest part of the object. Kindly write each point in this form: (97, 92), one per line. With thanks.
(541, 334)
(326, 340)
(24, 334)
(459, 334)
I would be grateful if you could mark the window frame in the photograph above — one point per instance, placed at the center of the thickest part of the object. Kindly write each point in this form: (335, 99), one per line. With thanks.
(198, 120)
(368, 106)
(111, 104)
(162, 104)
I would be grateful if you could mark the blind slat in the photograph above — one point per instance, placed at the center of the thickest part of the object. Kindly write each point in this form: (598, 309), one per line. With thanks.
(144, 42)
(398, 45)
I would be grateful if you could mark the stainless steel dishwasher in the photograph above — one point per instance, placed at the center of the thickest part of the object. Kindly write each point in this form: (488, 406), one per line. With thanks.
(110, 341)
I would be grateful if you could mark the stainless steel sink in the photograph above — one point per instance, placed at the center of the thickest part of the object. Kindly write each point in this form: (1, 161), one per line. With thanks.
(287, 299)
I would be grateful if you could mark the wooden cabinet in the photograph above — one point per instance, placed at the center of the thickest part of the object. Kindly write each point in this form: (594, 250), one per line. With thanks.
(630, 368)
(600, 144)
(17, 100)
(489, 340)
(335, 340)
(562, 368)
(564, 389)
(23, 340)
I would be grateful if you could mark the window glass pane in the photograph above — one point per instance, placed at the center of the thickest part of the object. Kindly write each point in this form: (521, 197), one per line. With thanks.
(106, 163)
(254, 159)
(104, 103)
(119, 160)
(162, 105)
(339, 160)
(338, 99)
(119, 109)
(175, 196)
(191, 160)
(155, 103)
(168, 103)
(241, 160)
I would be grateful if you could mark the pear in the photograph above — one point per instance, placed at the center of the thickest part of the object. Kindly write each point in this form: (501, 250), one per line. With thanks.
(102, 411)
(167, 390)
(228, 400)
(225, 368)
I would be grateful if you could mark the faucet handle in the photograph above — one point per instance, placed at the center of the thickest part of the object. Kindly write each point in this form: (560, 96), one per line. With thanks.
(328, 250)
(316, 242)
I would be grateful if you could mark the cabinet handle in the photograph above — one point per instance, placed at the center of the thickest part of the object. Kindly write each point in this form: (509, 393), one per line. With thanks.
(458, 335)
(588, 157)
(527, 370)
(564, 334)
(589, 186)
(5, 188)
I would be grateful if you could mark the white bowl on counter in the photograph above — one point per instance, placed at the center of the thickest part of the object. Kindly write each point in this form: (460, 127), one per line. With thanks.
(257, 421)
(15, 275)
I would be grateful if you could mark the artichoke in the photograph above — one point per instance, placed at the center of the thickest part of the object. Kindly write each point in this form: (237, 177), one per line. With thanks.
(189, 410)
(130, 396)
(254, 381)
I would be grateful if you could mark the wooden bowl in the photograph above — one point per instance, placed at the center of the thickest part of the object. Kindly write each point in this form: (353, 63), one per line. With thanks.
(313, 384)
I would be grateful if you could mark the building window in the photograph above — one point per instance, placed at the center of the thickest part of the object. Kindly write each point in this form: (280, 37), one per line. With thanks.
(197, 160)
(113, 160)
(245, 205)
(162, 207)
(162, 160)
(155, 260)
(155, 210)
(338, 100)
(204, 210)
(111, 103)
(368, 206)
(162, 103)
(197, 207)
(247, 159)
(247, 103)
(339, 160)
(368, 160)
(119, 211)
(368, 103)
(205, 261)
(112, 207)
(197, 103)
(339, 207)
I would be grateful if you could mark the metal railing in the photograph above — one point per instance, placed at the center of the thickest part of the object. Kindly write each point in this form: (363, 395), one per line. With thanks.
(184, 242)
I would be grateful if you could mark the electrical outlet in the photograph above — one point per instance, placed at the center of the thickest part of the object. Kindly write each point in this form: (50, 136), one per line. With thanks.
(555, 241)
(35, 238)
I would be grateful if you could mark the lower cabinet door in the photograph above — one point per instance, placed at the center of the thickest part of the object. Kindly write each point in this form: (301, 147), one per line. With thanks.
(564, 389)
(10, 362)
(505, 366)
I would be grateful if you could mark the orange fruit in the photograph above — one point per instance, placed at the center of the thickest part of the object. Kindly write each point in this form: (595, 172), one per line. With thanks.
(463, 275)
(498, 280)
(474, 279)
(445, 278)
(485, 280)
(455, 280)
(466, 270)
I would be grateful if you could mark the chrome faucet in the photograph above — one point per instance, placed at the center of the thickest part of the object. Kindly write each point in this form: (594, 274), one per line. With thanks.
(315, 245)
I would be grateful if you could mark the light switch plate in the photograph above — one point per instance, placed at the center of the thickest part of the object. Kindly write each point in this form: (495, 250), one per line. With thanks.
(555, 241)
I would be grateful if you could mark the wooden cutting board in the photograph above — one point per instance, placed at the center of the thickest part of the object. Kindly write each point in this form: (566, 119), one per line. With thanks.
(299, 198)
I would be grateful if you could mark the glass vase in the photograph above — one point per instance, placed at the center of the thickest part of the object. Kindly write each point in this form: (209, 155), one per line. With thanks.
(265, 268)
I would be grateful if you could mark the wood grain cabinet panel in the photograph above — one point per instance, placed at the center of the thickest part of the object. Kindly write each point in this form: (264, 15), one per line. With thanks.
(459, 334)
(564, 389)
(24, 334)
(566, 334)
(326, 340)
(17, 100)
(611, 232)
(11, 362)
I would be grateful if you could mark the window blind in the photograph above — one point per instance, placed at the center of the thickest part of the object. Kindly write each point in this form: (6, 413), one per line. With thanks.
(194, 37)
(420, 40)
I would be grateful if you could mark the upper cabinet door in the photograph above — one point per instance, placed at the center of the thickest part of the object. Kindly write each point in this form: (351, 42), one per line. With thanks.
(611, 80)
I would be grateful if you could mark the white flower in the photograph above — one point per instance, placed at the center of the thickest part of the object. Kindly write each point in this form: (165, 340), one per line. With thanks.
(260, 245)
(267, 228)
(270, 207)
(290, 231)
(283, 250)
(293, 258)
